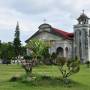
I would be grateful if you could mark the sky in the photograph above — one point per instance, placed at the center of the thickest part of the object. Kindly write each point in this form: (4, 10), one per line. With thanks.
(61, 14)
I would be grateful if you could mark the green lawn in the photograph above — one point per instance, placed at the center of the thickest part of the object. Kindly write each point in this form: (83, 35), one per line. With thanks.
(81, 79)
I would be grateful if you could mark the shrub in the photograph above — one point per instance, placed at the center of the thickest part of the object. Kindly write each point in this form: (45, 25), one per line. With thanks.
(47, 59)
(28, 57)
(88, 64)
(27, 64)
(53, 58)
(60, 61)
(68, 68)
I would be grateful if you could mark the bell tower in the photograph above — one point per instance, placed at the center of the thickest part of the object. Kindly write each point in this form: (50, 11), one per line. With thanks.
(83, 19)
(82, 38)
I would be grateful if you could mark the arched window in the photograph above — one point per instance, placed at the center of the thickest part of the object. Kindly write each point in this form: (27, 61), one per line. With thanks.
(66, 49)
(77, 36)
(79, 32)
(89, 33)
(85, 34)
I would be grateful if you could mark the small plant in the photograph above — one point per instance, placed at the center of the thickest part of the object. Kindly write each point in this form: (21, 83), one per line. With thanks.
(88, 64)
(28, 57)
(53, 57)
(68, 68)
(27, 64)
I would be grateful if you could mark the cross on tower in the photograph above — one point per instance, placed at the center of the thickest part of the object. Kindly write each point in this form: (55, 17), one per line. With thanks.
(44, 20)
(83, 11)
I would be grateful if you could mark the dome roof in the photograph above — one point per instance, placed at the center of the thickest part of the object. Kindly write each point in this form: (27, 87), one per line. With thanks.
(45, 25)
(83, 16)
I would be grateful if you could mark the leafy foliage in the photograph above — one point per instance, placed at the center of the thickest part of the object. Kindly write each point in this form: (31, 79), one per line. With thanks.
(6, 51)
(28, 57)
(27, 64)
(38, 47)
(68, 67)
(88, 64)
(17, 42)
(53, 58)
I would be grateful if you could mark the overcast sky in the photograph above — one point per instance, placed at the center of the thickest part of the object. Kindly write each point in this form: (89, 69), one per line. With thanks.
(30, 14)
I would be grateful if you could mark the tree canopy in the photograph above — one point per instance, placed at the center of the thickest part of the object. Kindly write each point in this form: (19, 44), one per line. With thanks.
(17, 42)
(38, 47)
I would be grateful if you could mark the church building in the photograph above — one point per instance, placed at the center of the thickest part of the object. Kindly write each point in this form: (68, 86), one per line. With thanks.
(65, 44)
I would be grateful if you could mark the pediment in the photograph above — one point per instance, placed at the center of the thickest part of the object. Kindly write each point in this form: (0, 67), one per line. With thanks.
(48, 36)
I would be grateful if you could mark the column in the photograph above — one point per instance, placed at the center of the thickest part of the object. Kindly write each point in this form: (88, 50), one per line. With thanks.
(64, 52)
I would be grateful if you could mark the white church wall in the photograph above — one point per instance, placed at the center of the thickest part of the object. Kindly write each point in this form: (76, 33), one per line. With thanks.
(89, 48)
(63, 44)
(84, 39)
(55, 40)
(48, 36)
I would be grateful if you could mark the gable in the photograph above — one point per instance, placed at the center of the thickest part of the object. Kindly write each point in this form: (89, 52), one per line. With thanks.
(46, 32)
(48, 36)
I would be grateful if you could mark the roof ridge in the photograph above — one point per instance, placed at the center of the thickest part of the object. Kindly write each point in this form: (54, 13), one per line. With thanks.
(63, 33)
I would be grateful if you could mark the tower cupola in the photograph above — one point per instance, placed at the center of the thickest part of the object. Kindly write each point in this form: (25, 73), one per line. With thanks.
(83, 19)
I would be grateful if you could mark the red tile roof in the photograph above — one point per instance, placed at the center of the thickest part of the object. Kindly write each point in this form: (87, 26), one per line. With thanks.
(66, 35)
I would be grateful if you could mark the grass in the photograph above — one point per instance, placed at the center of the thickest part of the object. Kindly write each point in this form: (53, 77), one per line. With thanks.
(47, 78)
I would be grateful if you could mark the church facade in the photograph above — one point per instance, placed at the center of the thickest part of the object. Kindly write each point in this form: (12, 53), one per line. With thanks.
(65, 44)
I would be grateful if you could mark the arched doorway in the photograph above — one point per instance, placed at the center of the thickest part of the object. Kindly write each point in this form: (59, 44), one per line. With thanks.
(59, 51)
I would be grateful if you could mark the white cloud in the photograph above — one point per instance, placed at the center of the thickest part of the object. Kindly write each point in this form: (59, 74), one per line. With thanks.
(30, 14)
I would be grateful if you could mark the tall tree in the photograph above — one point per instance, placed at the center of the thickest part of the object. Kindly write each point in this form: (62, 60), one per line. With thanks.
(17, 42)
